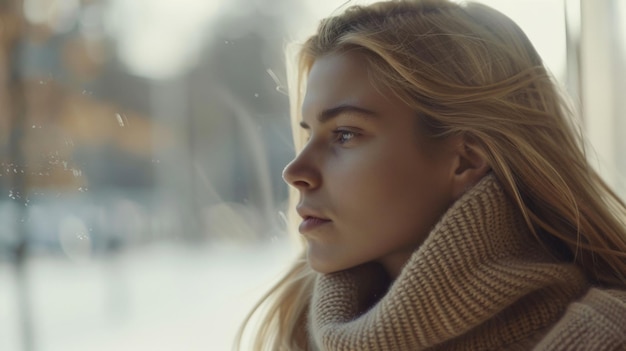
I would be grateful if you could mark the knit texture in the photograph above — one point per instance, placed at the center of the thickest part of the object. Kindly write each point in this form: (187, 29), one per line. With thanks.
(596, 322)
(480, 281)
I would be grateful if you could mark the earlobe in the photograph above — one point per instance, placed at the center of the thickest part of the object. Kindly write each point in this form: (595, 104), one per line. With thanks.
(471, 166)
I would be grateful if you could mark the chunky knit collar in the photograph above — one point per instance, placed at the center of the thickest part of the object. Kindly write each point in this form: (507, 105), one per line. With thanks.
(479, 281)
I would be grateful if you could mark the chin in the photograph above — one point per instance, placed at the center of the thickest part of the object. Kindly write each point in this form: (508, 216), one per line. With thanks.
(326, 265)
(322, 265)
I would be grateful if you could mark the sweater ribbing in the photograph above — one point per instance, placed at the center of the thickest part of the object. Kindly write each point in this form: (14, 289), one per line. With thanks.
(480, 281)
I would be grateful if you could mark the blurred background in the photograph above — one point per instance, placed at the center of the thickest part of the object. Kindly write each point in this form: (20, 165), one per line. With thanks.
(141, 147)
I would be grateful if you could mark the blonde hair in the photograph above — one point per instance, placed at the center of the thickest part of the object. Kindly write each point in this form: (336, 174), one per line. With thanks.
(469, 70)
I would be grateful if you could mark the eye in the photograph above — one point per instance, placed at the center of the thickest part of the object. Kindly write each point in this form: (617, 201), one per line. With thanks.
(344, 136)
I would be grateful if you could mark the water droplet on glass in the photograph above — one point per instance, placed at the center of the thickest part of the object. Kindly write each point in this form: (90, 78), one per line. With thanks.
(74, 238)
(120, 120)
(280, 87)
(281, 90)
(273, 76)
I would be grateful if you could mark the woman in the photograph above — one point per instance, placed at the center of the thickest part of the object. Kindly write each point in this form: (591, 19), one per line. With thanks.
(445, 199)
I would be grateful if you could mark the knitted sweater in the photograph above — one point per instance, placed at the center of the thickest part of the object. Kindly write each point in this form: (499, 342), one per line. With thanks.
(480, 281)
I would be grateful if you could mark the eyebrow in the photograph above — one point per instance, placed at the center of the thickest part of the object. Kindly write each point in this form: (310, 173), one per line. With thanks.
(331, 113)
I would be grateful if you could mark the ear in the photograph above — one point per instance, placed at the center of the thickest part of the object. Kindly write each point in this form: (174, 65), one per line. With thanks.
(470, 166)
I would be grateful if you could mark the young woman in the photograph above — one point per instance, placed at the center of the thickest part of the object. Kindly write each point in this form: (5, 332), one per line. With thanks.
(445, 198)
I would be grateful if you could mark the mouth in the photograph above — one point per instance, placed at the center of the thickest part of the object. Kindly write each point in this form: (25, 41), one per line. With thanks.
(310, 223)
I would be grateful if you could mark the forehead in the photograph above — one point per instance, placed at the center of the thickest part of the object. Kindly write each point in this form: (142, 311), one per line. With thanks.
(340, 78)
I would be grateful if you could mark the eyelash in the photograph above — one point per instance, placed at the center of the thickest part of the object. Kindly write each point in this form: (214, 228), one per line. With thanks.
(340, 136)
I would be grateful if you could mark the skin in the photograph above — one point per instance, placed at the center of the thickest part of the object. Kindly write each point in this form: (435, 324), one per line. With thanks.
(371, 188)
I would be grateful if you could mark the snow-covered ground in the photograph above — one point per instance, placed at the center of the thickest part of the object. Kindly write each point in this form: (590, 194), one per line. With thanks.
(162, 297)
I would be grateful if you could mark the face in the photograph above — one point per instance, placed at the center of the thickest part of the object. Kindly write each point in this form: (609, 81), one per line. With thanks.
(370, 187)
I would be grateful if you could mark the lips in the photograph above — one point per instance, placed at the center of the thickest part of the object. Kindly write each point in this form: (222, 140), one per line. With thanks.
(311, 219)
(311, 223)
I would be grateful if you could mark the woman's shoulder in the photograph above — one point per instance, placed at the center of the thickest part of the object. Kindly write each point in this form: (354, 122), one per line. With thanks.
(597, 321)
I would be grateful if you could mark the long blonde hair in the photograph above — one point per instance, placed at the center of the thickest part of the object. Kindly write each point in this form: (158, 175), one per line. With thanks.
(469, 70)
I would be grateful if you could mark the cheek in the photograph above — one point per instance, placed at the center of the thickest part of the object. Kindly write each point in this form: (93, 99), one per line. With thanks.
(400, 191)
(370, 184)
(363, 178)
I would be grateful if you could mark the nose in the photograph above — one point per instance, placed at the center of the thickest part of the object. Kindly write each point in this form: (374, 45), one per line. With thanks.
(302, 173)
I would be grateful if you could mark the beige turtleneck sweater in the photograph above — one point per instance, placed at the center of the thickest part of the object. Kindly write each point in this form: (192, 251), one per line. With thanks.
(480, 281)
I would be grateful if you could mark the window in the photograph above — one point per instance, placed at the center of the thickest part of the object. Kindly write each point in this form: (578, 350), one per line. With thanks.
(141, 150)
